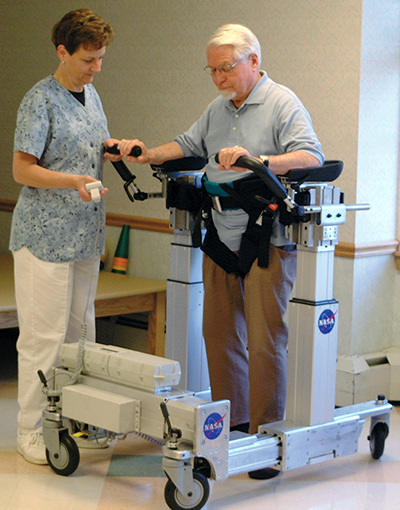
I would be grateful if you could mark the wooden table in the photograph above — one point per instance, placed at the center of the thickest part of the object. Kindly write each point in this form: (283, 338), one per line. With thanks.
(117, 294)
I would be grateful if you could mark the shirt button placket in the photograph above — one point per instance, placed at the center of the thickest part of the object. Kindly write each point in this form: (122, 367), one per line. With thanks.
(233, 135)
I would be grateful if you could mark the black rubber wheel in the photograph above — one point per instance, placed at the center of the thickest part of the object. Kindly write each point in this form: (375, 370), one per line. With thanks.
(68, 460)
(194, 501)
(377, 440)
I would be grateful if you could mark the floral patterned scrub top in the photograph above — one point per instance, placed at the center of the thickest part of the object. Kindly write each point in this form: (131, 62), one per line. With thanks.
(65, 136)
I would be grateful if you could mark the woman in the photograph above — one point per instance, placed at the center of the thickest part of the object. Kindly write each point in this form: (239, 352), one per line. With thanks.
(57, 233)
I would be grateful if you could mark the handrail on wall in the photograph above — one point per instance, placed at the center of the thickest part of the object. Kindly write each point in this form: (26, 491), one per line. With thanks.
(343, 249)
(114, 220)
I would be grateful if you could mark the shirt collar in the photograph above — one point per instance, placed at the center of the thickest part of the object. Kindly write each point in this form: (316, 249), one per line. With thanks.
(256, 96)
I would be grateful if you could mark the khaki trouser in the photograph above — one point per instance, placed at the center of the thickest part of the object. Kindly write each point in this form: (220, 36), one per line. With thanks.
(246, 337)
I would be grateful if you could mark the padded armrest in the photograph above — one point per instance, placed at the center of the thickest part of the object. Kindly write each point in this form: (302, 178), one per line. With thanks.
(181, 165)
(328, 172)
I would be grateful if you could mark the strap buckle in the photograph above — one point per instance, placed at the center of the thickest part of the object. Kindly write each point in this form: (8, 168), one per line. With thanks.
(216, 203)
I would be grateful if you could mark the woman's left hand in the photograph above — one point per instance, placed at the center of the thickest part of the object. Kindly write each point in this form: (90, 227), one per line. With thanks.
(85, 195)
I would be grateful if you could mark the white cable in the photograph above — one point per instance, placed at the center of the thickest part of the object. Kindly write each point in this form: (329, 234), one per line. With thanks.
(82, 339)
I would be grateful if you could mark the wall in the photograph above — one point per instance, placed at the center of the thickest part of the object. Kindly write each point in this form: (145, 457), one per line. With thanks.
(367, 287)
(143, 247)
(153, 85)
(337, 56)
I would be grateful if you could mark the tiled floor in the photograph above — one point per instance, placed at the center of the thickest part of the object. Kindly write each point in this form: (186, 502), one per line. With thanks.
(129, 476)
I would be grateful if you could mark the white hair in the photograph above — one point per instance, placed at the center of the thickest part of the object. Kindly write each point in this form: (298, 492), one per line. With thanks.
(242, 39)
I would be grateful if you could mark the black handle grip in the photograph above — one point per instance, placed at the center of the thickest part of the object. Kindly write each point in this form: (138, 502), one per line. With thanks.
(135, 152)
(120, 166)
(123, 170)
(272, 182)
(42, 378)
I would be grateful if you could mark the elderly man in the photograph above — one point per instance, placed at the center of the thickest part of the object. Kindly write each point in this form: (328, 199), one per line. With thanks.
(245, 300)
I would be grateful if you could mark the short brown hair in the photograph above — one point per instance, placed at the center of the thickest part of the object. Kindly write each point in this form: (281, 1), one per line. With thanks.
(81, 27)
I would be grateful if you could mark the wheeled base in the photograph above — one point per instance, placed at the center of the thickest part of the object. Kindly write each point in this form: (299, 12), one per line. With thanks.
(197, 443)
(280, 445)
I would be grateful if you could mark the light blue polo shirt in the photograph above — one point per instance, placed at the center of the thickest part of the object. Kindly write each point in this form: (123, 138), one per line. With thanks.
(65, 136)
(271, 121)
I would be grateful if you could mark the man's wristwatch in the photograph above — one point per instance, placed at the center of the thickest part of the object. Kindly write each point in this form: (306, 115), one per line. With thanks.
(265, 160)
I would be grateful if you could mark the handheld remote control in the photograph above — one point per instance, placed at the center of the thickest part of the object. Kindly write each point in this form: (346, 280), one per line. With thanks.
(94, 189)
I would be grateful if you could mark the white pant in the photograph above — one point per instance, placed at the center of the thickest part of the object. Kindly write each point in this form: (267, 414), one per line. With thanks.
(51, 302)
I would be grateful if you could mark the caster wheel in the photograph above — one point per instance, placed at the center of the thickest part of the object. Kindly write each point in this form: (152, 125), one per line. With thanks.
(377, 440)
(193, 501)
(66, 462)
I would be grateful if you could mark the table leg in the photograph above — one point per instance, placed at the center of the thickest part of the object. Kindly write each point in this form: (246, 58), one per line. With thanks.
(156, 331)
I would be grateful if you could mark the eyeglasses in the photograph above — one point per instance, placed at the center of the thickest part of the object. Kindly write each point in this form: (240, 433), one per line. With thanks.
(223, 69)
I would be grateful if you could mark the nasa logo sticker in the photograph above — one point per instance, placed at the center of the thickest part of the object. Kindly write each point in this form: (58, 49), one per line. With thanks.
(326, 321)
(213, 425)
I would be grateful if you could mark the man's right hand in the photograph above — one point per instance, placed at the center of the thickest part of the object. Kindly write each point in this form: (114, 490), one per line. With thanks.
(125, 147)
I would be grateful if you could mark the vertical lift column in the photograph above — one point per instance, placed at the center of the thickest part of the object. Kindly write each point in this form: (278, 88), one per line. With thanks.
(184, 340)
(313, 313)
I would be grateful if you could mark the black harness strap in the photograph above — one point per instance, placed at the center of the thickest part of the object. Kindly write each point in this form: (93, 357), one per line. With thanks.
(249, 194)
(257, 236)
(268, 217)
